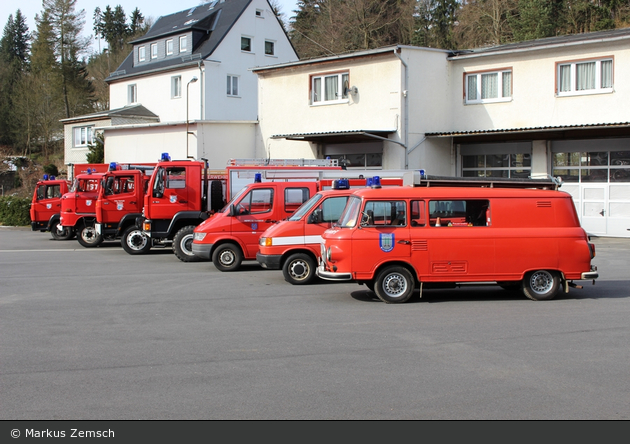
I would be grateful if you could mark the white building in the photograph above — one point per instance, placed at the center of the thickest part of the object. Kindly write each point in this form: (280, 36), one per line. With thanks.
(192, 70)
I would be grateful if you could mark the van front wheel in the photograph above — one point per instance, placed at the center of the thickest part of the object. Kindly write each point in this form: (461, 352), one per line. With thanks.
(299, 269)
(394, 285)
(541, 285)
(227, 257)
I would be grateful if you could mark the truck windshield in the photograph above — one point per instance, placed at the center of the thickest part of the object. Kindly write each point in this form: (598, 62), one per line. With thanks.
(350, 214)
(306, 207)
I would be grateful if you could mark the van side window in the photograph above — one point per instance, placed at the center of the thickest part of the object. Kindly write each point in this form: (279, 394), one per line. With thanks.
(386, 213)
(418, 213)
(459, 213)
(294, 198)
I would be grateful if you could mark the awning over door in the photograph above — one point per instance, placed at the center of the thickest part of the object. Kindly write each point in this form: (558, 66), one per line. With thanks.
(334, 137)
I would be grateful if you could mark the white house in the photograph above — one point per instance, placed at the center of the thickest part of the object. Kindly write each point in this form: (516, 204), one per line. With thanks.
(192, 71)
(556, 106)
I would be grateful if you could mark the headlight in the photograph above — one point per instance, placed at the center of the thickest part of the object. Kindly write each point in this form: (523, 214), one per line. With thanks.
(329, 254)
(199, 236)
(265, 241)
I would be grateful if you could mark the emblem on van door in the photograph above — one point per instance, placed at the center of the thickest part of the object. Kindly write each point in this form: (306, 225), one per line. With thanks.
(254, 226)
(386, 241)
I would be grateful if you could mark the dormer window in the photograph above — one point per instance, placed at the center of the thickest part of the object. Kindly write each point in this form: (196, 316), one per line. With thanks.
(142, 54)
(154, 50)
(169, 47)
(183, 43)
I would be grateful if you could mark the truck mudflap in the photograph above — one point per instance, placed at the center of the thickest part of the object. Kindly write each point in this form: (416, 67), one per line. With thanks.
(332, 276)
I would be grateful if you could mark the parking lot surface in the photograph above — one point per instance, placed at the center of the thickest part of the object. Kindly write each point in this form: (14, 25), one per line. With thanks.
(100, 334)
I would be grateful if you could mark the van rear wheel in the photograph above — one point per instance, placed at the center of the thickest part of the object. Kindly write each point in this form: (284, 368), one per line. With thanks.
(299, 269)
(227, 257)
(541, 285)
(394, 285)
(182, 245)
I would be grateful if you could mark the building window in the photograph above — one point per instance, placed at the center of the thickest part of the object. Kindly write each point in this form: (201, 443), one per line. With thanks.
(246, 44)
(83, 136)
(584, 77)
(359, 160)
(488, 87)
(497, 165)
(132, 94)
(176, 87)
(153, 50)
(269, 48)
(259, 13)
(232, 85)
(142, 54)
(329, 88)
(169, 47)
(183, 43)
(598, 166)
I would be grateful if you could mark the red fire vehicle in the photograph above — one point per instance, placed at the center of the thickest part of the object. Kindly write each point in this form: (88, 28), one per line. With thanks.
(293, 245)
(397, 239)
(46, 206)
(182, 194)
(78, 207)
(120, 201)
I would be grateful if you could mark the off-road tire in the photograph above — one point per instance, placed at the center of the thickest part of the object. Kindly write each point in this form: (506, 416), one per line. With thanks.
(182, 244)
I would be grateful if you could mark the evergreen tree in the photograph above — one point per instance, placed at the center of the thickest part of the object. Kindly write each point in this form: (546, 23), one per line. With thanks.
(13, 65)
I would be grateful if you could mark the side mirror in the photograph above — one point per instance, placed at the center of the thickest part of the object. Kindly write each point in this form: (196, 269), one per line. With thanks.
(232, 211)
(315, 217)
(365, 220)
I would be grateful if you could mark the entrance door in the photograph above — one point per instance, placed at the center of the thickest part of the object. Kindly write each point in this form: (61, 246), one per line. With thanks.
(594, 208)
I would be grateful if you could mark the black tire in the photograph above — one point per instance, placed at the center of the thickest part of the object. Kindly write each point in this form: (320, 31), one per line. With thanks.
(59, 232)
(134, 241)
(227, 257)
(394, 285)
(216, 195)
(299, 269)
(182, 244)
(370, 286)
(87, 235)
(541, 285)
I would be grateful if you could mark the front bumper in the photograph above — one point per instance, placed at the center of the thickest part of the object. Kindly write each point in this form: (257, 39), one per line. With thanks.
(332, 276)
(269, 261)
(202, 250)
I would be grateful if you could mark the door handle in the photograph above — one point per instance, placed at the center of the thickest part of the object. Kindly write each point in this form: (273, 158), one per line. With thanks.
(405, 242)
(183, 201)
(132, 203)
(602, 212)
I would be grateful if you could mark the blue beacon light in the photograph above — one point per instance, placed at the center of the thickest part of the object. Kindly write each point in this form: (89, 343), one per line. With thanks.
(257, 178)
(45, 176)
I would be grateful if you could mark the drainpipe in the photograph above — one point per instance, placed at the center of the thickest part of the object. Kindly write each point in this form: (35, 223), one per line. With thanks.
(405, 106)
(201, 84)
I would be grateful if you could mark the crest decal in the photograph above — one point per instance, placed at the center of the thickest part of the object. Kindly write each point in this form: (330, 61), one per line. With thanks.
(119, 205)
(48, 206)
(88, 203)
(386, 241)
(173, 198)
(254, 226)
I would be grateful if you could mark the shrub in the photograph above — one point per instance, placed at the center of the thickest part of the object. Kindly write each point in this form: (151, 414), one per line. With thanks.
(14, 211)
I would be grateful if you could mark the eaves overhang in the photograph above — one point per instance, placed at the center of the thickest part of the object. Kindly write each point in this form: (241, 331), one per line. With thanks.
(346, 136)
(536, 129)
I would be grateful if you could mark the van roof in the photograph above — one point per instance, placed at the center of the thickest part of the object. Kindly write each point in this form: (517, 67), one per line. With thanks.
(405, 192)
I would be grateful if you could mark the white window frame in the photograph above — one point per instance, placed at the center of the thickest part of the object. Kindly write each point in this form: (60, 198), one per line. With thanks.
(260, 13)
(183, 43)
(233, 85)
(478, 76)
(273, 48)
(154, 51)
(572, 67)
(251, 42)
(132, 94)
(142, 53)
(169, 47)
(318, 88)
(82, 136)
(176, 87)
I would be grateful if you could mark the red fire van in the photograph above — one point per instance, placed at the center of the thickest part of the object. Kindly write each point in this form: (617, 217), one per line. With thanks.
(395, 240)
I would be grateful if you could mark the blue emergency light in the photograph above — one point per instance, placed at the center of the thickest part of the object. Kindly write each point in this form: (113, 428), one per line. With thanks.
(165, 157)
(89, 171)
(423, 174)
(52, 177)
(258, 178)
(112, 166)
(376, 182)
(369, 182)
(45, 176)
(341, 184)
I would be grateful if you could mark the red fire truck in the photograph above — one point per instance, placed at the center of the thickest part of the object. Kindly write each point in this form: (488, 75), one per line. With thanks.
(293, 245)
(395, 240)
(182, 194)
(46, 206)
(78, 207)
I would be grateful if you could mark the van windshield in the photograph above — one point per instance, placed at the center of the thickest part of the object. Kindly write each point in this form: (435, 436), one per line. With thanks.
(236, 196)
(350, 214)
(306, 207)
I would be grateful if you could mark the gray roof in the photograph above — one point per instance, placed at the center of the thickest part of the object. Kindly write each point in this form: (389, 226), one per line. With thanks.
(563, 40)
(131, 111)
(209, 24)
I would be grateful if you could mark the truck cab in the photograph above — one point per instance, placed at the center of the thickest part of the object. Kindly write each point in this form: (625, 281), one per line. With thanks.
(46, 207)
(78, 208)
(120, 201)
(232, 235)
